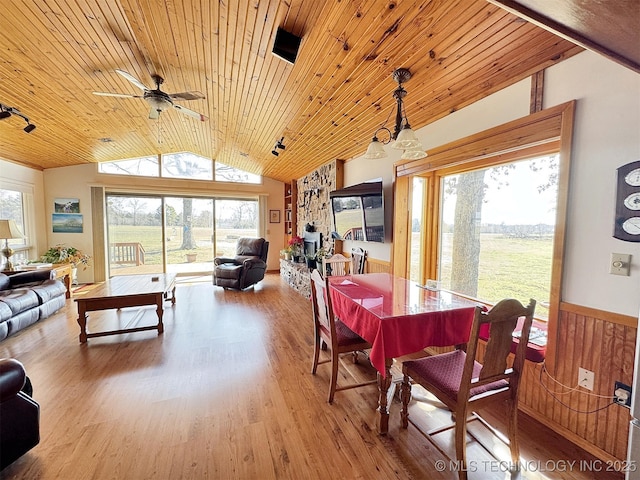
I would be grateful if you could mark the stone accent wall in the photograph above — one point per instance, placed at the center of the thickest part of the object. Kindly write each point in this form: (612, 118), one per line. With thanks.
(313, 197)
(297, 275)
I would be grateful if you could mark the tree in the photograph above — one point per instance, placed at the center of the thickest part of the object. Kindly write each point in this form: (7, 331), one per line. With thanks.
(184, 166)
(117, 210)
(465, 257)
(225, 173)
(137, 206)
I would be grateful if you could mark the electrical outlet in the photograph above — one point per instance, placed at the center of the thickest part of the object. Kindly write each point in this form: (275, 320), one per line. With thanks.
(585, 378)
(622, 394)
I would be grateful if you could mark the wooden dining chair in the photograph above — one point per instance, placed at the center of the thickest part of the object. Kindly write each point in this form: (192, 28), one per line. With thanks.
(329, 331)
(358, 258)
(464, 385)
(336, 264)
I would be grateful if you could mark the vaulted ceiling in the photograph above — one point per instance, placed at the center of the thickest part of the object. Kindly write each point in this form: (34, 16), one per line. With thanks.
(56, 53)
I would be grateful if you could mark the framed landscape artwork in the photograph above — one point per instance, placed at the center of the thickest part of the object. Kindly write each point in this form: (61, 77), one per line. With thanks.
(66, 222)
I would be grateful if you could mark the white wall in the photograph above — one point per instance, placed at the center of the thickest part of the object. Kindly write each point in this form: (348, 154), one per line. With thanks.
(606, 136)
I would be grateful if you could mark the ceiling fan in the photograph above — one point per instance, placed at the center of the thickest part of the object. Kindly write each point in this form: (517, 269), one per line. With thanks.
(158, 99)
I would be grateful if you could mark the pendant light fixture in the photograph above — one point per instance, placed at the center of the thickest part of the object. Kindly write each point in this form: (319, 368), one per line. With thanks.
(403, 137)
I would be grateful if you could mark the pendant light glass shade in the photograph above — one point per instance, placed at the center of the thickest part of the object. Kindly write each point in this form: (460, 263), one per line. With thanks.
(406, 139)
(375, 149)
(414, 153)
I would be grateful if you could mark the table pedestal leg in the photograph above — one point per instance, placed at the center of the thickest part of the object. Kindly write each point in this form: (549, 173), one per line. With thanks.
(160, 312)
(383, 400)
(82, 321)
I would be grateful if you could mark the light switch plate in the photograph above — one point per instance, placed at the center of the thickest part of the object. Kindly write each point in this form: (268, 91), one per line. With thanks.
(620, 263)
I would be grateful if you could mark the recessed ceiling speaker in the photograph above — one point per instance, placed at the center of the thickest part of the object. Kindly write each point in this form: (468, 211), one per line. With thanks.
(286, 45)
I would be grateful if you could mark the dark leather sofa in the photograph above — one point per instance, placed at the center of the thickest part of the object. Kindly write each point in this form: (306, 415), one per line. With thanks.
(28, 297)
(20, 414)
(246, 268)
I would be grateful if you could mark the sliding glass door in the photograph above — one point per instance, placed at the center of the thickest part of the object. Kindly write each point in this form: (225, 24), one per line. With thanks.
(182, 235)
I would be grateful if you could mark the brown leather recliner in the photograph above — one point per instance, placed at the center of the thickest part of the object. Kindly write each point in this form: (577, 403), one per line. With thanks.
(246, 268)
(20, 414)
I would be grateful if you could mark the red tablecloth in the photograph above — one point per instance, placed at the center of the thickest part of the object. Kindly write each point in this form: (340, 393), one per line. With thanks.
(397, 316)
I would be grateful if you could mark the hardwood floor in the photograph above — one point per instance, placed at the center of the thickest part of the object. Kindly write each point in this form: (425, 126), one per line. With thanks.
(226, 393)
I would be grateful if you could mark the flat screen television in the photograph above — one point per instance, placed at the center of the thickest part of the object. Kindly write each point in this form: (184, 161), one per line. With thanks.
(358, 212)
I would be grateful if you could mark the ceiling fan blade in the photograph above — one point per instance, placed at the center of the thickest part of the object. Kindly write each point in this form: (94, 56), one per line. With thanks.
(154, 113)
(188, 96)
(191, 113)
(121, 95)
(132, 79)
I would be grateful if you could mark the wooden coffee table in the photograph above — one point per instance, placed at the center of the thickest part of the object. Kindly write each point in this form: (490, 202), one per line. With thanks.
(127, 291)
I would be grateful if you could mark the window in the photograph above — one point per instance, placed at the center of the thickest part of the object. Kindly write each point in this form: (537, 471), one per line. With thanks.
(11, 208)
(187, 165)
(184, 165)
(182, 235)
(497, 228)
(417, 220)
(225, 173)
(144, 167)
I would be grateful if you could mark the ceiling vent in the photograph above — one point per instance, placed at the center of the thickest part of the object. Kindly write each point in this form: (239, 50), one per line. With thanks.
(286, 46)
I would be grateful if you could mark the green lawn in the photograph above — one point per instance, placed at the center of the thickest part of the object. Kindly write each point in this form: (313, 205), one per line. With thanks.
(151, 239)
(509, 267)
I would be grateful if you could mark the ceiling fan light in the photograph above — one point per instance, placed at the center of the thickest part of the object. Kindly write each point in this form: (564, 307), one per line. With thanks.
(375, 149)
(406, 139)
(413, 153)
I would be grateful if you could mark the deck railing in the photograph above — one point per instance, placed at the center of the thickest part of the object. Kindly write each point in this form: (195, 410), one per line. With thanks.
(131, 253)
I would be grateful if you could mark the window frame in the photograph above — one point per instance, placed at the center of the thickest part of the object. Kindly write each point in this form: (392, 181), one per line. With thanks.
(541, 133)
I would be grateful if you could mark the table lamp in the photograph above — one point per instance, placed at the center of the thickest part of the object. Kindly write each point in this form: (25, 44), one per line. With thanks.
(8, 230)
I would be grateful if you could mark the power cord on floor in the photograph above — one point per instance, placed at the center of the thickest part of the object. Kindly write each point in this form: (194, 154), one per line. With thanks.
(554, 395)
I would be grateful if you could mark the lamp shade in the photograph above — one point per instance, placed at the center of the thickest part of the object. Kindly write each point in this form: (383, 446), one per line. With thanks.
(375, 149)
(9, 229)
(413, 153)
(406, 139)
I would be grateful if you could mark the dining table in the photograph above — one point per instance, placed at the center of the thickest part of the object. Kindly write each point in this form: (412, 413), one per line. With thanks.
(398, 317)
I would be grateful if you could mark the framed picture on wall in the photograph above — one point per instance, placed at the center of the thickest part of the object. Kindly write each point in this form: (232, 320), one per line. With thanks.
(274, 216)
(66, 205)
(67, 222)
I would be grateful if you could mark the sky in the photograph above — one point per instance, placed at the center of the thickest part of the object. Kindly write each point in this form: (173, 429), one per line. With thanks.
(517, 202)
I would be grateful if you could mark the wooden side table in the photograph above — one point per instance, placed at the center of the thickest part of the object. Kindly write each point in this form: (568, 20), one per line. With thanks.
(63, 272)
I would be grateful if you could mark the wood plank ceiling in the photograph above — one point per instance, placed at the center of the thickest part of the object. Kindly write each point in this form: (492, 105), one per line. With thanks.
(55, 53)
